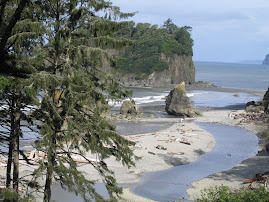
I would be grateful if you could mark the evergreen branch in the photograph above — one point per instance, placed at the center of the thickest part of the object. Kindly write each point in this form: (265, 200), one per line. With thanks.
(3, 4)
(17, 15)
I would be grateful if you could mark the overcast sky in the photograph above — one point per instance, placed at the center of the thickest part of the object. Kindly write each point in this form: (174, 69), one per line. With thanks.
(223, 30)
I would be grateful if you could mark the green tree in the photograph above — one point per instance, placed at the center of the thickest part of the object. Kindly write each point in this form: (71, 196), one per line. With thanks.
(10, 15)
(19, 32)
(183, 37)
(144, 57)
(76, 94)
(168, 24)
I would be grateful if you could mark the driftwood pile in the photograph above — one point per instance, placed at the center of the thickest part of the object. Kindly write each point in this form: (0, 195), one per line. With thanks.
(250, 117)
(186, 135)
(258, 178)
(35, 156)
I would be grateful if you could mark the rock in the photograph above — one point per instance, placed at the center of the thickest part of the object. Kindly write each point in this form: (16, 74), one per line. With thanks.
(179, 104)
(259, 106)
(130, 108)
(151, 116)
(161, 147)
(266, 60)
(236, 95)
(202, 84)
(180, 68)
(266, 102)
(266, 95)
(267, 147)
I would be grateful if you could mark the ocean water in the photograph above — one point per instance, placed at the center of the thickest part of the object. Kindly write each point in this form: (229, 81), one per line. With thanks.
(232, 75)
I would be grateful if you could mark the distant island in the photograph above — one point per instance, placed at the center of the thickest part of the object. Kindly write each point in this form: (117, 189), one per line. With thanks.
(266, 60)
(253, 62)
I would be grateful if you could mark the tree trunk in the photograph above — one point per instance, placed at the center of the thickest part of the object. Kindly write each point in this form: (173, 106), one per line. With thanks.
(11, 146)
(52, 149)
(17, 133)
(50, 168)
(13, 151)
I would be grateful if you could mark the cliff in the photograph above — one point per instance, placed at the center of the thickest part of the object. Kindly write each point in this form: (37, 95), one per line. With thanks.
(180, 68)
(266, 60)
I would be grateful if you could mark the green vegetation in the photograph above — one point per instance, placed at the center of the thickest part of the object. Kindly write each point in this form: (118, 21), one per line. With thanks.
(181, 87)
(225, 194)
(255, 109)
(144, 57)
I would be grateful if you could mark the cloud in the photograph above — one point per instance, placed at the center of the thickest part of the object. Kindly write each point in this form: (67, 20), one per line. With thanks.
(222, 25)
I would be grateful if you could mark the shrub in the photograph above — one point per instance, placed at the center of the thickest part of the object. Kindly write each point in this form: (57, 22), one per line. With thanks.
(243, 194)
(256, 109)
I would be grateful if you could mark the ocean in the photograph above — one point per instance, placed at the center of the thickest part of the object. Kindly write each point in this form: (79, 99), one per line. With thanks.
(232, 75)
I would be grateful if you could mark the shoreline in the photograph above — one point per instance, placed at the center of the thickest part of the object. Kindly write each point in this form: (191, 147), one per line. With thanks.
(247, 169)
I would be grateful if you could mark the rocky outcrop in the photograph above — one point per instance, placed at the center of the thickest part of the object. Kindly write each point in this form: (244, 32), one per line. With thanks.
(259, 106)
(179, 104)
(130, 108)
(266, 60)
(202, 84)
(266, 102)
(181, 68)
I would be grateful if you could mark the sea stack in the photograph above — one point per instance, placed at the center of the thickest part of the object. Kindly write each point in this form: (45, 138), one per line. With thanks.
(130, 108)
(179, 104)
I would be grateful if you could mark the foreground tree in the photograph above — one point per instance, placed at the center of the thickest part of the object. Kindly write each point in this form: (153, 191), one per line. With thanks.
(19, 32)
(76, 95)
(10, 14)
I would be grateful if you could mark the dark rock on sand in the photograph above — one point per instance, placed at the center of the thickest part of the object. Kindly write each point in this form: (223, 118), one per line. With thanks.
(179, 104)
(267, 147)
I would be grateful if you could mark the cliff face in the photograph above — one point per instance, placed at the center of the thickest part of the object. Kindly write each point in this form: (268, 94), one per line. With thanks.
(266, 60)
(181, 68)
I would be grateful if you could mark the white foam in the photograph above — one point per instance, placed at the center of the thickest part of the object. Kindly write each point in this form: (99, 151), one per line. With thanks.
(141, 100)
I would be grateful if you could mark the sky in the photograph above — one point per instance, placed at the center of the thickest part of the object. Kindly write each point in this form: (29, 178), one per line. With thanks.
(223, 30)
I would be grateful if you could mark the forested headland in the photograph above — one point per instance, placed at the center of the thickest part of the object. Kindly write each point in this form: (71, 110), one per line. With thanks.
(144, 57)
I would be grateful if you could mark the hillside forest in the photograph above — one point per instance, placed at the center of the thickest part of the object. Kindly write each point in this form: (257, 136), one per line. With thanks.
(143, 58)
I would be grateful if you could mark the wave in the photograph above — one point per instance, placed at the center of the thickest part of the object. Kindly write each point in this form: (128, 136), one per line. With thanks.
(142, 100)
(160, 97)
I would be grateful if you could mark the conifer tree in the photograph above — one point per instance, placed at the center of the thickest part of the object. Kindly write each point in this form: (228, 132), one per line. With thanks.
(19, 30)
(10, 15)
(76, 94)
